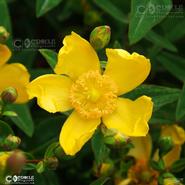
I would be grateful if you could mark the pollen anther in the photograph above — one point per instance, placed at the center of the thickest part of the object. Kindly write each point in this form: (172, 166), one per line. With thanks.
(93, 95)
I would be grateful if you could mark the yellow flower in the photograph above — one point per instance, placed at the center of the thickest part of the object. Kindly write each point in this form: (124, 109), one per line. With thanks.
(93, 95)
(3, 158)
(177, 134)
(13, 75)
(141, 173)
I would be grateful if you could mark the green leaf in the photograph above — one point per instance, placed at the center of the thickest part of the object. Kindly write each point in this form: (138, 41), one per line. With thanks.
(160, 41)
(146, 14)
(50, 56)
(165, 115)
(5, 130)
(9, 113)
(51, 149)
(180, 111)
(47, 177)
(174, 64)
(111, 9)
(178, 166)
(40, 167)
(50, 129)
(100, 150)
(23, 120)
(29, 166)
(43, 6)
(5, 18)
(4, 14)
(160, 95)
(100, 181)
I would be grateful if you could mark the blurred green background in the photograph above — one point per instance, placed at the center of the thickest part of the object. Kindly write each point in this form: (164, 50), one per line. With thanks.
(154, 28)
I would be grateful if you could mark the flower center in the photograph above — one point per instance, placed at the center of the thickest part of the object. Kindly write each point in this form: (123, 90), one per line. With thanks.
(93, 95)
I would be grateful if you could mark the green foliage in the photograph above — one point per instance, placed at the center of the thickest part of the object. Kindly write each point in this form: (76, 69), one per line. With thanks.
(145, 15)
(23, 118)
(154, 28)
(50, 56)
(100, 150)
(43, 6)
(100, 181)
(180, 111)
(5, 130)
(112, 10)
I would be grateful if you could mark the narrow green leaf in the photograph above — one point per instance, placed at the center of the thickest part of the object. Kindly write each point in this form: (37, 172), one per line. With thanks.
(50, 129)
(178, 166)
(51, 149)
(50, 56)
(160, 41)
(146, 14)
(180, 111)
(165, 115)
(174, 64)
(112, 10)
(5, 130)
(29, 166)
(5, 19)
(99, 148)
(23, 120)
(4, 14)
(100, 181)
(160, 95)
(43, 6)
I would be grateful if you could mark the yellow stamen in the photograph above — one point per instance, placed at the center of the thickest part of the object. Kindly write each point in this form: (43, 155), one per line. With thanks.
(93, 95)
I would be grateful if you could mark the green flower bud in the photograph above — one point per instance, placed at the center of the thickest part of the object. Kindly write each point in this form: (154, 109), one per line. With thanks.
(3, 34)
(9, 95)
(51, 163)
(116, 139)
(165, 145)
(103, 169)
(11, 142)
(100, 37)
(15, 162)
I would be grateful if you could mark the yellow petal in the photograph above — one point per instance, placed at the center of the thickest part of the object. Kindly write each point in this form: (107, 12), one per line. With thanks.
(52, 92)
(3, 158)
(75, 132)
(76, 57)
(127, 70)
(170, 157)
(5, 54)
(142, 147)
(131, 117)
(15, 75)
(177, 133)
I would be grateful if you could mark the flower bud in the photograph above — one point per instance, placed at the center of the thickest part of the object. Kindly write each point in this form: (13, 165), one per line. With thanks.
(115, 138)
(11, 142)
(51, 163)
(15, 162)
(100, 37)
(165, 145)
(170, 179)
(9, 95)
(103, 169)
(3, 34)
